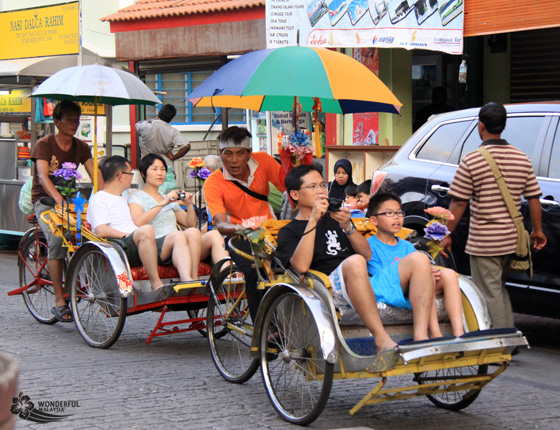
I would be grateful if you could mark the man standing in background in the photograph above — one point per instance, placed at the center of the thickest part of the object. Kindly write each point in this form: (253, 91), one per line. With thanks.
(492, 233)
(156, 136)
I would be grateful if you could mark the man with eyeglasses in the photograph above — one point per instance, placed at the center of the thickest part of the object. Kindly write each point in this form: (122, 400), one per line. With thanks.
(49, 154)
(109, 216)
(326, 241)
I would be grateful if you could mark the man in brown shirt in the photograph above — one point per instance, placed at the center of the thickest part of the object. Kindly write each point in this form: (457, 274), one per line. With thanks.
(492, 234)
(49, 154)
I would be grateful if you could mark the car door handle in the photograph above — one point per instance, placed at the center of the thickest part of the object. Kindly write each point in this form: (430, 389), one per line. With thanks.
(546, 202)
(440, 189)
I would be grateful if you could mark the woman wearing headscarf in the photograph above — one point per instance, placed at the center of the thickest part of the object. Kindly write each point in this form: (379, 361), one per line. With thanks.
(342, 178)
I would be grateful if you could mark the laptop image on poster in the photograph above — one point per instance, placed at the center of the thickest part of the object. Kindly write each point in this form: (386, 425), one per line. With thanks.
(377, 10)
(337, 9)
(357, 9)
(316, 10)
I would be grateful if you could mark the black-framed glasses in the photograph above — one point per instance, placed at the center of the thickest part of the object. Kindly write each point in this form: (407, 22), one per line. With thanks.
(391, 214)
(314, 187)
(128, 173)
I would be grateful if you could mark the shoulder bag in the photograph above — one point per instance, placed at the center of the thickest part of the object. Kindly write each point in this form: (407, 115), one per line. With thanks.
(521, 259)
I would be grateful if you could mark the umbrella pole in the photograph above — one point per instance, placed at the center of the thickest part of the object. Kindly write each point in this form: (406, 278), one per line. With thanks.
(295, 113)
(95, 168)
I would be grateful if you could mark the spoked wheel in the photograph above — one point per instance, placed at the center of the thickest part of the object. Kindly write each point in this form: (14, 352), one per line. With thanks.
(297, 378)
(99, 309)
(199, 313)
(452, 400)
(230, 328)
(33, 270)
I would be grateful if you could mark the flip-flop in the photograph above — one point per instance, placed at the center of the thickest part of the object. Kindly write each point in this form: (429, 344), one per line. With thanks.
(61, 312)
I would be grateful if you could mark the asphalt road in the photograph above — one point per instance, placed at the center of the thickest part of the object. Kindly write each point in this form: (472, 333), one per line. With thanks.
(172, 383)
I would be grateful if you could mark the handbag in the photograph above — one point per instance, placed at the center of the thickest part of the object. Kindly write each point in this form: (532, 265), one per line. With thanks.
(521, 259)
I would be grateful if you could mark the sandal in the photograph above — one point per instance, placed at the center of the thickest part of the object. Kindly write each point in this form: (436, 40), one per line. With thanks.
(63, 314)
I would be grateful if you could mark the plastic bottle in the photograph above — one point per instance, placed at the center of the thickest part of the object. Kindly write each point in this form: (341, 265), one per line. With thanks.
(463, 72)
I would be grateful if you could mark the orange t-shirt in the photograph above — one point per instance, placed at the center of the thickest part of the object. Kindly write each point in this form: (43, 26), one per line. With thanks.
(222, 196)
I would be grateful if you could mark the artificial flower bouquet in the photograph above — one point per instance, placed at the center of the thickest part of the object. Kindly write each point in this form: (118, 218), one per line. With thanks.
(69, 175)
(252, 231)
(296, 149)
(199, 171)
(436, 229)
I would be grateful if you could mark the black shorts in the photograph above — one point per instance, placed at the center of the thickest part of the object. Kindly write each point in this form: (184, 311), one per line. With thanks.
(131, 251)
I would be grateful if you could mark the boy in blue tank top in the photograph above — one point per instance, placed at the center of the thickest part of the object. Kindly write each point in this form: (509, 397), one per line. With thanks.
(401, 275)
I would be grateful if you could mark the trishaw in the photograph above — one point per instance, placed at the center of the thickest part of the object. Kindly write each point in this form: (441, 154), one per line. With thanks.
(302, 342)
(101, 287)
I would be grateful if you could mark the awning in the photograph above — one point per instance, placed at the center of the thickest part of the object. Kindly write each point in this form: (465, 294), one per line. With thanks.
(20, 71)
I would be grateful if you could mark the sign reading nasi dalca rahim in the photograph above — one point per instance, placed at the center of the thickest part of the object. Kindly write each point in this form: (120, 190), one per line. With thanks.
(40, 32)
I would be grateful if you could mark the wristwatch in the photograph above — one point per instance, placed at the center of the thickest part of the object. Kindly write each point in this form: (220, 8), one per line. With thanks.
(351, 230)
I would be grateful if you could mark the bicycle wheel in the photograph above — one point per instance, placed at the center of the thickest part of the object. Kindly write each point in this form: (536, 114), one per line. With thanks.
(230, 328)
(97, 305)
(33, 272)
(453, 400)
(297, 378)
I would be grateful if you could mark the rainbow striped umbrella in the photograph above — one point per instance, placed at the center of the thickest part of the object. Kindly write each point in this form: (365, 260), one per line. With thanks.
(270, 79)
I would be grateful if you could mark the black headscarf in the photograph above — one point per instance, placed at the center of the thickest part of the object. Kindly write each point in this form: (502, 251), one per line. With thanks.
(335, 190)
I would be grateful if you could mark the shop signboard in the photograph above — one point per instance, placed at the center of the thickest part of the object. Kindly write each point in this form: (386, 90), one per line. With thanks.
(17, 101)
(410, 24)
(39, 32)
(88, 108)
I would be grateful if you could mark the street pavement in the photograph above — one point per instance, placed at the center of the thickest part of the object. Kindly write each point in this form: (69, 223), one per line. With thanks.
(172, 383)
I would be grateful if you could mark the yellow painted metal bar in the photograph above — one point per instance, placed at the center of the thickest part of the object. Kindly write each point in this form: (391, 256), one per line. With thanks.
(368, 396)
(377, 395)
(189, 286)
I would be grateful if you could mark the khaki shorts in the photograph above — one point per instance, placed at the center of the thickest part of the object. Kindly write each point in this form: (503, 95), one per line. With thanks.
(56, 250)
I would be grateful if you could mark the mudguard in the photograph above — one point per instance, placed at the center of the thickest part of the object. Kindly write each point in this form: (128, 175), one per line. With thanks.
(475, 310)
(113, 252)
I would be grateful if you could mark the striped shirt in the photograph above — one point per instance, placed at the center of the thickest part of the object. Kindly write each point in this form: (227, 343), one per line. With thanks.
(491, 229)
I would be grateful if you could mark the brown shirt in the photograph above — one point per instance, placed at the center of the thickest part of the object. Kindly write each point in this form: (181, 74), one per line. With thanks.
(47, 149)
(491, 229)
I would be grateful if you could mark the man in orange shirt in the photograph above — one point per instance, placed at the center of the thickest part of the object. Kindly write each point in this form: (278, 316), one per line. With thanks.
(239, 191)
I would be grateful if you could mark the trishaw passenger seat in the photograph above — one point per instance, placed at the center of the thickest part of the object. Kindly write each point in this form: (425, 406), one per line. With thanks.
(166, 272)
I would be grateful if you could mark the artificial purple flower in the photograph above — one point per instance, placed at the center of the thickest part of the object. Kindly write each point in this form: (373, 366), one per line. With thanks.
(436, 231)
(69, 166)
(68, 174)
(204, 173)
(200, 172)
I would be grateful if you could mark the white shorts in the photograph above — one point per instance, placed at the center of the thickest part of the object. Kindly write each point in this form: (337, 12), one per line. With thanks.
(340, 295)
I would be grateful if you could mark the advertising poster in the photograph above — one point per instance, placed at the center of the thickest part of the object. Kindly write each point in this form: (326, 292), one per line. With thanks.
(40, 32)
(366, 125)
(410, 24)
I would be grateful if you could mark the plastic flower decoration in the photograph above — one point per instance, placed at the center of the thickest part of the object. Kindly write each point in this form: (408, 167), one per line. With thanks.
(198, 169)
(296, 149)
(196, 162)
(253, 232)
(436, 229)
(69, 175)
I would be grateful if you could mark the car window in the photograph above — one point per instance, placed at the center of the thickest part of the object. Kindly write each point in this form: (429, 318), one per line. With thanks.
(443, 141)
(554, 165)
(523, 132)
